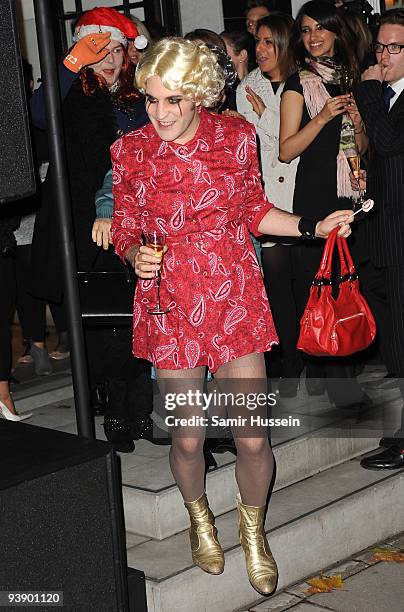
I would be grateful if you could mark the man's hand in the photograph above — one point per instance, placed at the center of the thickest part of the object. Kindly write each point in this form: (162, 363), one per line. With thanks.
(101, 233)
(375, 73)
(89, 50)
(144, 261)
(340, 218)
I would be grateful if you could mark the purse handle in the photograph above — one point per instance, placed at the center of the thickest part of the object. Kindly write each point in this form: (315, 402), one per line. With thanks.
(324, 270)
(347, 266)
(346, 261)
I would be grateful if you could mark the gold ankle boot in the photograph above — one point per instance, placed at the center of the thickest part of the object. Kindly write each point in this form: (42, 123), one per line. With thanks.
(206, 550)
(261, 567)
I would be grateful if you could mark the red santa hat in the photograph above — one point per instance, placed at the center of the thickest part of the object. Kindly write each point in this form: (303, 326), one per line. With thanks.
(104, 19)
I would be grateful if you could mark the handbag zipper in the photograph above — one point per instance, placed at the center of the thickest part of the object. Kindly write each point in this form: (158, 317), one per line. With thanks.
(358, 314)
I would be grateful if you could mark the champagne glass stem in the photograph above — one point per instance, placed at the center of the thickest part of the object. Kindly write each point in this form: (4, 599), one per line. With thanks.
(158, 282)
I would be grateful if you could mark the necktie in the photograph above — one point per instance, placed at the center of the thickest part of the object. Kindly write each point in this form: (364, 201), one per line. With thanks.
(388, 93)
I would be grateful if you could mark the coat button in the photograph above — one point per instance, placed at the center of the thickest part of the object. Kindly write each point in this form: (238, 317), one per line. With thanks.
(281, 179)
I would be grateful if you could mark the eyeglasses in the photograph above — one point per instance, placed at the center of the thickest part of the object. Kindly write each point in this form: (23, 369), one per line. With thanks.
(392, 48)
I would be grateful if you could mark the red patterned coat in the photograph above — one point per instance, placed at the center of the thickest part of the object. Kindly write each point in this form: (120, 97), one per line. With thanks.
(204, 196)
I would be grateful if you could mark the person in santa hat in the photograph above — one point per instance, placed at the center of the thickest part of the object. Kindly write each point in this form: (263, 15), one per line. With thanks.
(100, 103)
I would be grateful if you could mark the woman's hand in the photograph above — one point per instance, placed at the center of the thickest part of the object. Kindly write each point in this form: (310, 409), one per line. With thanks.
(334, 107)
(89, 50)
(144, 261)
(340, 218)
(255, 100)
(101, 233)
(353, 112)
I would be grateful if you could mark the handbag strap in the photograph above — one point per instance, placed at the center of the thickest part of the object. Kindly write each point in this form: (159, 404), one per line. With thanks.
(347, 264)
(324, 270)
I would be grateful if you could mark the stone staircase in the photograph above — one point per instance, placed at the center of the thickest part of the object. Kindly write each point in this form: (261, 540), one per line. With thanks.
(324, 507)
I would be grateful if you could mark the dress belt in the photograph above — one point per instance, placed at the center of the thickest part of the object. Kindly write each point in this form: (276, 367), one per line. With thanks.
(197, 236)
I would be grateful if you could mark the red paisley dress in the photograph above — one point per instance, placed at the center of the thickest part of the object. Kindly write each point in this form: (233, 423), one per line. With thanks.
(204, 196)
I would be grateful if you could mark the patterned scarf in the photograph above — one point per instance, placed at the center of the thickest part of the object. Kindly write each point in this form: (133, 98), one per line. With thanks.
(325, 70)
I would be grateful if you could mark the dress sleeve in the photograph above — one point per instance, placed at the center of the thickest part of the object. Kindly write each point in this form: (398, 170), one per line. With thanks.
(66, 80)
(293, 84)
(127, 192)
(104, 200)
(256, 203)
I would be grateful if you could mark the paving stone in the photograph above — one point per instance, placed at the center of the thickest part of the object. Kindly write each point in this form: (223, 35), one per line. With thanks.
(308, 607)
(347, 569)
(397, 542)
(380, 587)
(299, 590)
(278, 603)
(366, 556)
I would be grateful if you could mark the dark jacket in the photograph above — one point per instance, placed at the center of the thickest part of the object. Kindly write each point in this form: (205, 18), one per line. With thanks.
(90, 128)
(385, 172)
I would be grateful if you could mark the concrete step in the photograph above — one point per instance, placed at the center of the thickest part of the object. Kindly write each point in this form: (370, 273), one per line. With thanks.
(160, 513)
(312, 524)
(42, 391)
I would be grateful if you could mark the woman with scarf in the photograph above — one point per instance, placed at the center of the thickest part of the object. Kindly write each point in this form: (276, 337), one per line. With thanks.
(320, 123)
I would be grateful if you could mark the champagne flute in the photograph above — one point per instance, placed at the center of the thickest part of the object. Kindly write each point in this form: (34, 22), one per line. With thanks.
(346, 81)
(156, 241)
(355, 165)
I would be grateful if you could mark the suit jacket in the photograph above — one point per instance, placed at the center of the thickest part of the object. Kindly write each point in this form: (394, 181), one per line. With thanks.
(385, 173)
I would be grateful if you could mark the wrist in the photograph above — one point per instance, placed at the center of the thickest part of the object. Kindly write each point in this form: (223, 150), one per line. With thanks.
(320, 121)
(71, 63)
(131, 254)
(307, 228)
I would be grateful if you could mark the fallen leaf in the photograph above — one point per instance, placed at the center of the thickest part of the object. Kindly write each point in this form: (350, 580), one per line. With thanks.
(386, 554)
(325, 584)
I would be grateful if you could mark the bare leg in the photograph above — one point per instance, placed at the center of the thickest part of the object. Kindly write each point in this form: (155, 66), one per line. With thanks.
(255, 463)
(186, 453)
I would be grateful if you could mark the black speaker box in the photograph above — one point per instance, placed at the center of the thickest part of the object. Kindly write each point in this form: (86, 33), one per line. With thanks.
(16, 166)
(62, 525)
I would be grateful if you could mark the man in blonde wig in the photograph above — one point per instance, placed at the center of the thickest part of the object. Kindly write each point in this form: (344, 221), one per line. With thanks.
(192, 177)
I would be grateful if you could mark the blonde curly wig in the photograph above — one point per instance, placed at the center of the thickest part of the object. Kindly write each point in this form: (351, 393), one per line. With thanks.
(186, 65)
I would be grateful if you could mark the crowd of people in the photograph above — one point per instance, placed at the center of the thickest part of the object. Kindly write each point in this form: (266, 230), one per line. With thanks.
(234, 148)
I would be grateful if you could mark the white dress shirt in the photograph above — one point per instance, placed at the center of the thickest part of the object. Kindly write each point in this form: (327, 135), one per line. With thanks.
(397, 87)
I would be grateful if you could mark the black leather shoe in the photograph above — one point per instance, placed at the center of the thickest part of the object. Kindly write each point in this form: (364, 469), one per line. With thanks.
(386, 382)
(146, 429)
(390, 459)
(118, 434)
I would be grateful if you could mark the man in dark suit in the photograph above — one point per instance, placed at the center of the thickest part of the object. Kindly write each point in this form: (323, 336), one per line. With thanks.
(380, 99)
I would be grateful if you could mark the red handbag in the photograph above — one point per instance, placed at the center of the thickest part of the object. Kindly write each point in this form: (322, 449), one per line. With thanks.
(336, 326)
